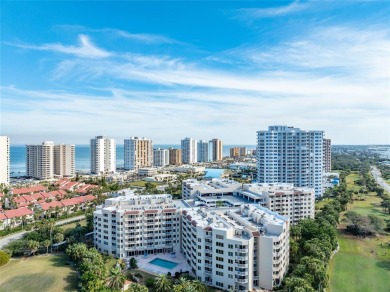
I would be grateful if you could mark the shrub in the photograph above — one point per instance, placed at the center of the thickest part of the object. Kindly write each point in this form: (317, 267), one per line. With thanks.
(149, 283)
(4, 258)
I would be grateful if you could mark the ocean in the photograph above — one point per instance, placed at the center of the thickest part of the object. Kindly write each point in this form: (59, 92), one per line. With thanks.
(83, 156)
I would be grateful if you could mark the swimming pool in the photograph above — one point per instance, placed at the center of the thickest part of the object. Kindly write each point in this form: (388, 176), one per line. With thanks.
(163, 263)
(213, 172)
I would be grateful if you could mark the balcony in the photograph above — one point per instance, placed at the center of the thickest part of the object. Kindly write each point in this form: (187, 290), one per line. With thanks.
(208, 272)
(242, 250)
(241, 258)
(241, 265)
(241, 273)
(242, 281)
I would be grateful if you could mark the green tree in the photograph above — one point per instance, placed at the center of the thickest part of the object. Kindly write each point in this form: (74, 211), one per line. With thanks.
(46, 243)
(163, 284)
(296, 284)
(116, 279)
(33, 246)
(134, 287)
(199, 286)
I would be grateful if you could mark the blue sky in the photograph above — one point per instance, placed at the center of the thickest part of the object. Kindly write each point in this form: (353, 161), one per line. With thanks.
(167, 70)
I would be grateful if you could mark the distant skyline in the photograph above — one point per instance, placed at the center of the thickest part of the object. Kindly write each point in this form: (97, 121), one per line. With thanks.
(74, 70)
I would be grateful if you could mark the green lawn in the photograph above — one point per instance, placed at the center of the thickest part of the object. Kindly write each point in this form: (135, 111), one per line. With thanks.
(355, 267)
(73, 224)
(38, 273)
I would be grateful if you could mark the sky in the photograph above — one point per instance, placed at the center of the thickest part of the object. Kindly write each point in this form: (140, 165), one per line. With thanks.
(168, 70)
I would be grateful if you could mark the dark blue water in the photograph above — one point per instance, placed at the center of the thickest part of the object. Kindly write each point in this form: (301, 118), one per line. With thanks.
(83, 156)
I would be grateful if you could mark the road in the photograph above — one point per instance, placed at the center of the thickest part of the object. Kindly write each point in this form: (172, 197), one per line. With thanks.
(7, 239)
(377, 176)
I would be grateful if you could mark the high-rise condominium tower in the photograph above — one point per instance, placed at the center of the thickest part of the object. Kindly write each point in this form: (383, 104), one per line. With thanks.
(64, 160)
(103, 155)
(327, 155)
(4, 160)
(189, 150)
(174, 156)
(40, 160)
(290, 155)
(138, 153)
(203, 151)
(160, 157)
(216, 149)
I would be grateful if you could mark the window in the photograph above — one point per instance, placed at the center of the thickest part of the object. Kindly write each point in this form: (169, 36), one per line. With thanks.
(219, 236)
(219, 273)
(220, 259)
(219, 244)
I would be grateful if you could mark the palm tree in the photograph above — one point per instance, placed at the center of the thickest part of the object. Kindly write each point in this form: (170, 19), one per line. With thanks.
(199, 286)
(116, 280)
(33, 246)
(46, 243)
(163, 283)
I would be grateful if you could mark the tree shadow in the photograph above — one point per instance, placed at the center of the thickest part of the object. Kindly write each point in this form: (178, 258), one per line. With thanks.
(384, 265)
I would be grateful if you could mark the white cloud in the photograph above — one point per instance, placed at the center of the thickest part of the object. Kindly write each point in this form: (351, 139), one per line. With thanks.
(293, 7)
(86, 48)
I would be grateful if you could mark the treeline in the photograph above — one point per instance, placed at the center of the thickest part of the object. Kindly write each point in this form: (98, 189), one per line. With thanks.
(312, 243)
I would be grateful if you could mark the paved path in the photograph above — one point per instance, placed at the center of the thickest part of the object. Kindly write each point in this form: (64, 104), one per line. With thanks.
(7, 239)
(377, 176)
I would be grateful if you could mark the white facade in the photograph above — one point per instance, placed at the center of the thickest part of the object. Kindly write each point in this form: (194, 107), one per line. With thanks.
(160, 157)
(64, 160)
(138, 153)
(131, 225)
(40, 160)
(191, 188)
(4, 160)
(236, 249)
(147, 171)
(189, 151)
(203, 151)
(103, 155)
(291, 202)
(290, 155)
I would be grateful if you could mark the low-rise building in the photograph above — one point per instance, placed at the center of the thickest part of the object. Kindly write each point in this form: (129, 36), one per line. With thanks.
(149, 171)
(191, 188)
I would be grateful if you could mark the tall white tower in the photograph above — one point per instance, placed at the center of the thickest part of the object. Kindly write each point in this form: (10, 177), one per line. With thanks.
(290, 155)
(4, 159)
(103, 155)
(189, 150)
(64, 160)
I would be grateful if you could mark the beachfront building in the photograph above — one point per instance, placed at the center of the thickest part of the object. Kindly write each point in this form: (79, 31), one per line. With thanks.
(64, 160)
(40, 160)
(160, 157)
(129, 225)
(203, 151)
(4, 160)
(103, 155)
(138, 153)
(236, 249)
(174, 156)
(189, 151)
(290, 155)
(216, 150)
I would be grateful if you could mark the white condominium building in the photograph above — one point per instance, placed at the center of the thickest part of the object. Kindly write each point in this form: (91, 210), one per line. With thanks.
(64, 160)
(160, 157)
(40, 160)
(191, 188)
(138, 153)
(216, 150)
(203, 151)
(291, 202)
(290, 155)
(103, 155)
(4, 160)
(236, 249)
(131, 225)
(327, 155)
(294, 203)
(189, 151)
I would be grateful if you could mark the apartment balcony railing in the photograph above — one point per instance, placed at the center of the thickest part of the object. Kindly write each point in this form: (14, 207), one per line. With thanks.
(242, 281)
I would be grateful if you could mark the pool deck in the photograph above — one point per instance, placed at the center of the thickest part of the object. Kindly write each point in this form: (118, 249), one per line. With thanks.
(143, 263)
